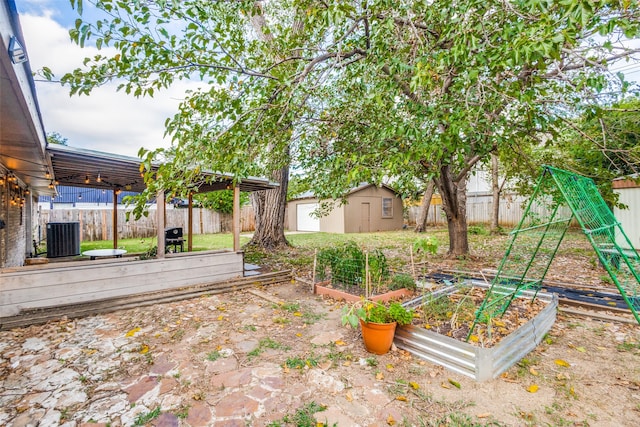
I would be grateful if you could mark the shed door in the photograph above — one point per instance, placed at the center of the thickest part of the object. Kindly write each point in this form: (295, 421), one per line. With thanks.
(307, 222)
(365, 217)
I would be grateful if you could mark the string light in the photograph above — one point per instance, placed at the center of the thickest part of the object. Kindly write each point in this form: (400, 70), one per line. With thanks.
(98, 179)
(51, 185)
(47, 174)
(86, 179)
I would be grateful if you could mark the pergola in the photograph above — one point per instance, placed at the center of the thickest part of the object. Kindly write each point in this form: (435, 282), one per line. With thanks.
(94, 169)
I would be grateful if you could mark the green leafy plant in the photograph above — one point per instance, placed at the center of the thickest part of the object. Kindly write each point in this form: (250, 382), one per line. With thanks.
(376, 312)
(402, 280)
(427, 245)
(347, 265)
(143, 419)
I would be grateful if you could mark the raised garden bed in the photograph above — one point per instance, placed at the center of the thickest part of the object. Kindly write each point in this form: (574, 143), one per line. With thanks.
(470, 358)
(324, 288)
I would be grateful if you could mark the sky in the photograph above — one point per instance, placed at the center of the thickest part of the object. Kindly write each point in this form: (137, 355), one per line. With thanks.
(107, 120)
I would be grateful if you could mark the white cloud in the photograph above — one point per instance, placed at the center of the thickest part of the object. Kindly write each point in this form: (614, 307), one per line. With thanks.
(106, 120)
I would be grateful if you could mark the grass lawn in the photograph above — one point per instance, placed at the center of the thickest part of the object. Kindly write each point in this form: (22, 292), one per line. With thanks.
(201, 242)
(486, 250)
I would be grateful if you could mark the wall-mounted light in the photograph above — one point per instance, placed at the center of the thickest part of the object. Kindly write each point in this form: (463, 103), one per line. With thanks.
(16, 51)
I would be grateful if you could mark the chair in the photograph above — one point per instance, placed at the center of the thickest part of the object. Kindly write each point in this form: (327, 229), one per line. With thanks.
(173, 237)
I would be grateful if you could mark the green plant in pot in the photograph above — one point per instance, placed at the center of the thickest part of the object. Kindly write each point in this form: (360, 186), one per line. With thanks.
(378, 322)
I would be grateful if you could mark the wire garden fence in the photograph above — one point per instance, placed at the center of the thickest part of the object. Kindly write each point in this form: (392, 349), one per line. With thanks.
(368, 271)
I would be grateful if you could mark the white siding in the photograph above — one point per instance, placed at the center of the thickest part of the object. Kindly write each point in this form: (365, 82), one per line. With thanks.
(629, 218)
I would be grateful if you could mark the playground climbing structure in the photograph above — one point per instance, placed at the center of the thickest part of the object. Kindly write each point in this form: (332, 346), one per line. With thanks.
(559, 198)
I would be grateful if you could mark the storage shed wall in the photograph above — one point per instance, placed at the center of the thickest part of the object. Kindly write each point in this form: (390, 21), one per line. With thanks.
(629, 218)
(354, 221)
(335, 221)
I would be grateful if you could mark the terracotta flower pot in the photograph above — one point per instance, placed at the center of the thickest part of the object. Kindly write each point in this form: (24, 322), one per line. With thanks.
(378, 337)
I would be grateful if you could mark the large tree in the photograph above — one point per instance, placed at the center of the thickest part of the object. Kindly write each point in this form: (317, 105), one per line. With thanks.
(360, 91)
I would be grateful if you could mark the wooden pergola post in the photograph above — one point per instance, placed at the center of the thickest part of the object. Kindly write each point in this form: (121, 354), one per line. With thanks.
(236, 218)
(160, 220)
(190, 229)
(115, 218)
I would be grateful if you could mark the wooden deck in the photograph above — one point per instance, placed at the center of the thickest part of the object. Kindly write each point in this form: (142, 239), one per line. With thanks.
(65, 283)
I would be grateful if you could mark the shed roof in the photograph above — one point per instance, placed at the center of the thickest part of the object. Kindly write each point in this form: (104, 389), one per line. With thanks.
(362, 186)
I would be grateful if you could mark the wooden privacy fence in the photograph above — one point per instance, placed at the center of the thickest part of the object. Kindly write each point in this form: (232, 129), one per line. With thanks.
(480, 210)
(97, 224)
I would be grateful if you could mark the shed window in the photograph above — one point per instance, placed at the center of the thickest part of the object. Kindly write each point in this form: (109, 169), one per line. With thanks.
(387, 207)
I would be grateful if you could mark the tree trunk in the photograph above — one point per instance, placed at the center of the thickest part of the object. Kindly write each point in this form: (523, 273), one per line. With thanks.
(495, 187)
(454, 203)
(423, 213)
(269, 207)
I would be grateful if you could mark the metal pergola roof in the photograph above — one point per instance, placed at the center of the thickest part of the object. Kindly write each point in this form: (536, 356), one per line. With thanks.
(80, 167)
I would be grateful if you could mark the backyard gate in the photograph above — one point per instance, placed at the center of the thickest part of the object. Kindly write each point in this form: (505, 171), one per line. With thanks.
(537, 237)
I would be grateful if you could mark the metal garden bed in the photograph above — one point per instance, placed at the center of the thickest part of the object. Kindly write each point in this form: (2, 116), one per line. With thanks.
(471, 360)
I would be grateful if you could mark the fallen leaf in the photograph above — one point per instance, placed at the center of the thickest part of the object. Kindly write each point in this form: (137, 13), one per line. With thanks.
(390, 420)
(390, 367)
(562, 363)
(456, 384)
(401, 398)
(298, 334)
(297, 314)
(348, 396)
(379, 376)
(532, 388)
(484, 415)
(612, 303)
(473, 338)
(221, 317)
(347, 363)
(445, 385)
(144, 349)
(498, 323)
(414, 385)
(132, 332)
(340, 343)
(572, 391)
(581, 349)
(325, 365)
(533, 372)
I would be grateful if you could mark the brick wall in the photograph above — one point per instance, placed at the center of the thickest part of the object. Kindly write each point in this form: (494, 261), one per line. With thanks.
(13, 236)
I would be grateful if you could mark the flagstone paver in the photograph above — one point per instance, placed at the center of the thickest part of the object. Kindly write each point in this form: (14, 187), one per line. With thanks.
(116, 369)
